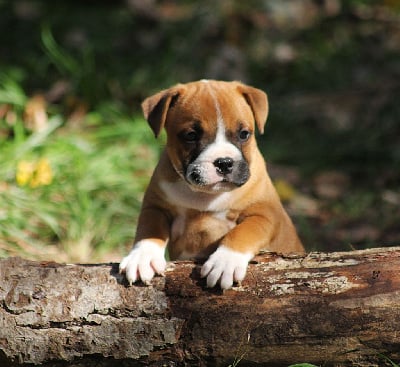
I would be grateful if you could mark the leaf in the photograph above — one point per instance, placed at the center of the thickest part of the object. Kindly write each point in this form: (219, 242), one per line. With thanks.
(62, 60)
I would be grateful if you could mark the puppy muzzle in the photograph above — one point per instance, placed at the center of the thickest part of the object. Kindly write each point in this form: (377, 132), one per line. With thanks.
(223, 174)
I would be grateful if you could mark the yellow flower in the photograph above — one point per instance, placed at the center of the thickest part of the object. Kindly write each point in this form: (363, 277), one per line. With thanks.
(24, 173)
(34, 174)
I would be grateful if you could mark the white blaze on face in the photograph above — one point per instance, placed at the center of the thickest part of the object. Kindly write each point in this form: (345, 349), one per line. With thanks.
(221, 147)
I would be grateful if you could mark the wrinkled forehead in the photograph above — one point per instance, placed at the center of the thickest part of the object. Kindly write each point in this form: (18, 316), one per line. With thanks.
(211, 102)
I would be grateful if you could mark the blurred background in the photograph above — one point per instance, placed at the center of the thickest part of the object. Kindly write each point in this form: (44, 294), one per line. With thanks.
(76, 154)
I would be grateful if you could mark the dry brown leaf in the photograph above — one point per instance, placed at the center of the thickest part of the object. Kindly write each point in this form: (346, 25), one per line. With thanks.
(35, 116)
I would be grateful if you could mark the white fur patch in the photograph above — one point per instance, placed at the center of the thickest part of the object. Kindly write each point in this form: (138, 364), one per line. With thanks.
(225, 266)
(221, 147)
(144, 261)
(179, 194)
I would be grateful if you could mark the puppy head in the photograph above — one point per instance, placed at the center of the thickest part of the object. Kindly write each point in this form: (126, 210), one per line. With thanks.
(210, 130)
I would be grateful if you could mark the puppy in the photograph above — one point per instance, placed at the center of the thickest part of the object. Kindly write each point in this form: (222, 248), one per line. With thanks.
(210, 197)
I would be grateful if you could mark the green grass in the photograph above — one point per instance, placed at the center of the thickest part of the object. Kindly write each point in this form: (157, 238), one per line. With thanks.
(99, 171)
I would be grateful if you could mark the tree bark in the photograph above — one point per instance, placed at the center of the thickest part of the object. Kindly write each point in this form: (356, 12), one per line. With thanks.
(330, 309)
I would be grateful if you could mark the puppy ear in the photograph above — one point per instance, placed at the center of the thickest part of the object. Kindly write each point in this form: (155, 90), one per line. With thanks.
(155, 108)
(258, 101)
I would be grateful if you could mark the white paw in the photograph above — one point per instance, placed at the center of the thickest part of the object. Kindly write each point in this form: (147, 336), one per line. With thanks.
(226, 266)
(144, 261)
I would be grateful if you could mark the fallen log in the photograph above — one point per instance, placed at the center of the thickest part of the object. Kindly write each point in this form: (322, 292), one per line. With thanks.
(330, 309)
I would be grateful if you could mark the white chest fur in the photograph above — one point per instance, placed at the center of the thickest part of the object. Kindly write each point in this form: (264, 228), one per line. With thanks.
(179, 195)
(199, 220)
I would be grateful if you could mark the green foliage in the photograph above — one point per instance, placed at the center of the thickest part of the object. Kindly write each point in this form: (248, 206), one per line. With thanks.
(98, 175)
(11, 91)
(94, 196)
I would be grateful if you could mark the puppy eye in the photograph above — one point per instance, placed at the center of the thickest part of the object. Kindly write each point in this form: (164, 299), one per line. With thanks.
(244, 135)
(190, 136)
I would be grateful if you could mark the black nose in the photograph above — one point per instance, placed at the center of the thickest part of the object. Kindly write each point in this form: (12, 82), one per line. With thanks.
(224, 165)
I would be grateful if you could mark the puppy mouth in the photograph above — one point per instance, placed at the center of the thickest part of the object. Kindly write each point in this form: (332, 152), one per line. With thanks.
(207, 177)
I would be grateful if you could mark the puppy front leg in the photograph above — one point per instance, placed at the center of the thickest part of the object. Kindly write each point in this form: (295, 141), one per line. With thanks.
(229, 262)
(147, 256)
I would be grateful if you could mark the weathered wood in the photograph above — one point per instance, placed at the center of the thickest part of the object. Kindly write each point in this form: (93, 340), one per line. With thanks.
(337, 309)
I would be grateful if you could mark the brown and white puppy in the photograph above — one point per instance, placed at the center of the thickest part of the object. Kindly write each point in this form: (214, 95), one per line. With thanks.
(210, 196)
